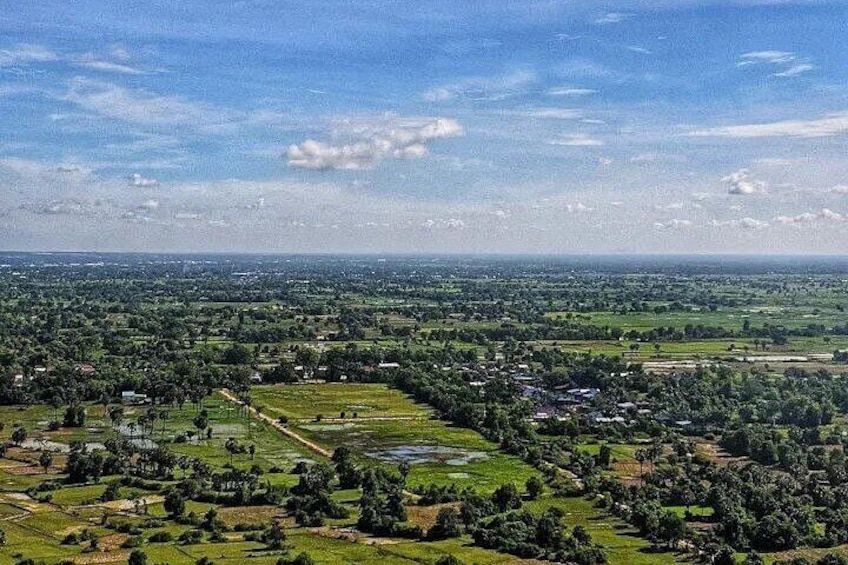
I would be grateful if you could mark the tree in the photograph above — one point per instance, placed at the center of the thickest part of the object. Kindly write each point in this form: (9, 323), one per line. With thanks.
(74, 416)
(724, 556)
(45, 460)
(672, 528)
(19, 435)
(448, 560)
(232, 446)
(2, 537)
(604, 456)
(506, 497)
(137, 557)
(116, 415)
(534, 487)
(201, 421)
(448, 525)
(274, 536)
(175, 503)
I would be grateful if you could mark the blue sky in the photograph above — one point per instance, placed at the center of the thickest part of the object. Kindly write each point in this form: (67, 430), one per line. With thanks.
(542, 126)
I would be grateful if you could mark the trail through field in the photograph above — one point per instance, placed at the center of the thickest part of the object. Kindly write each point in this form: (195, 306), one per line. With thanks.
(278, 426)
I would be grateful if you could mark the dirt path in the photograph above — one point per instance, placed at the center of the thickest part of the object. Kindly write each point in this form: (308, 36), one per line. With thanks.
(278, 426)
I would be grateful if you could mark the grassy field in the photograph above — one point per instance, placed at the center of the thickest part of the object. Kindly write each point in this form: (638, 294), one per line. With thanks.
(330, 400)
(388, 425)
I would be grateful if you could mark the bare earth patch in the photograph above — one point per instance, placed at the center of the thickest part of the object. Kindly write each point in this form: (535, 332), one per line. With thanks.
(425, 516)
(260, 515)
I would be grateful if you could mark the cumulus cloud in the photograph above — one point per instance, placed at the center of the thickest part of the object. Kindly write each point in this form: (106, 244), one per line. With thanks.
(830, 125)
(140, 181)
(840, 189)
(389, 138)
(741, 183)
(824, 214)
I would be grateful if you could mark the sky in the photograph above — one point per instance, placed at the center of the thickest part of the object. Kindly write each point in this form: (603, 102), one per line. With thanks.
(536, 126)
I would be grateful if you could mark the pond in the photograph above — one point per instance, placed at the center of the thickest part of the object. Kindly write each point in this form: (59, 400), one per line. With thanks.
(416, 454)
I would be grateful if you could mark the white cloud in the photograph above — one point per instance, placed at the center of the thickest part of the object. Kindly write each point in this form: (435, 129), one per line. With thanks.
(569, 91)
(484, 88)
(576, 140)
(825, 214)
(140, 107)
(578, 208)
(38, 171)
(140, 181)
(673, 223)
(72, 207)
(26, 53)
(612, 18)
(671, 206)
(772, 57)
(744, 223)
(839, 189)
(443, 224)
(795, 70)
(109, 67)
(833, 124)
(556, 114)
(149, 205)
(390, 137)
(742, 183)
(791, 64)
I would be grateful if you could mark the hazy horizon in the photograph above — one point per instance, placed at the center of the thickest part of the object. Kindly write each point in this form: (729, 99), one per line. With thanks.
(543, 128)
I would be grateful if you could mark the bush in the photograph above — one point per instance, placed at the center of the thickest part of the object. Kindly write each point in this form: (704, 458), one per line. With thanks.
(190, 537)
(160, 537)
(301, 559)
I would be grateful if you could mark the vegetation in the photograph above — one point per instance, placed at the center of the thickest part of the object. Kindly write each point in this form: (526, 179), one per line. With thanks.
(156, 412)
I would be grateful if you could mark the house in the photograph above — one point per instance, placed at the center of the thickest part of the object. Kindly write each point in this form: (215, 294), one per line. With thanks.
(132, 397)
(579, 395)
(388, 366)
(544, 412)
(256, 378)
(608, 420)
(528, 391)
